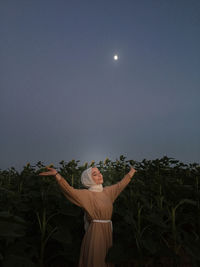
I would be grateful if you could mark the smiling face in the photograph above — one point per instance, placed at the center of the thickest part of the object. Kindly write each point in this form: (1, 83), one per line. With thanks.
(97, 176)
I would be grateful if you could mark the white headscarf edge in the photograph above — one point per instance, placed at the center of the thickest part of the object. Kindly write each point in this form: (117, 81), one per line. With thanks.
(87, 181)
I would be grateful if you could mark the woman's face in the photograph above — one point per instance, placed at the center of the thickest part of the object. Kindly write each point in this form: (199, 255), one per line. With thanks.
(97, 176)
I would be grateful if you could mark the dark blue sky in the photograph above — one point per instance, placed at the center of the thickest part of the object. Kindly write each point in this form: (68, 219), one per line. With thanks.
(63, 97)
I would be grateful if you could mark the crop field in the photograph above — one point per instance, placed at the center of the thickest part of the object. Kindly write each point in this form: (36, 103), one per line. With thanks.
(156, 218)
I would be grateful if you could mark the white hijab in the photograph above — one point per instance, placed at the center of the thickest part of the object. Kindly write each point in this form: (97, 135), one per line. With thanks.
(88, 182)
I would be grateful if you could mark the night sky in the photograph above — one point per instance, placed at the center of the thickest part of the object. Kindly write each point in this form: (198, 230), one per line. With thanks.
(64, 97)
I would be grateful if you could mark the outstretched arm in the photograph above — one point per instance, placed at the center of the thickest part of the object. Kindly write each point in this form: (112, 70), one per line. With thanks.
(76, 196)
(114, 190)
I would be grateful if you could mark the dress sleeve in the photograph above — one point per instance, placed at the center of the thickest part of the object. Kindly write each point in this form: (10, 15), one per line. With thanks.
(114, 190)
(76, 196)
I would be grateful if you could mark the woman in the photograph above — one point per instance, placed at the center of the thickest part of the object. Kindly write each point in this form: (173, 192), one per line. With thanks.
(97, 202)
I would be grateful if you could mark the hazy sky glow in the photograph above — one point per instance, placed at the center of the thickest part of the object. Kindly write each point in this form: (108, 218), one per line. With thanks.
(63, 96)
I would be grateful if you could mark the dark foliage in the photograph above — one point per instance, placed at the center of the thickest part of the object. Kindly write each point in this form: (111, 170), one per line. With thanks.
(156, 218)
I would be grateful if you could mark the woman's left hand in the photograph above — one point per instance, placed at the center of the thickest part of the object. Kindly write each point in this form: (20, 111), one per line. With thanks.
(132, 171)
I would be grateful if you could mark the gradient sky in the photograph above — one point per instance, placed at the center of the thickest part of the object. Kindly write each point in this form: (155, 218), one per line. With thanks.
(63, 97)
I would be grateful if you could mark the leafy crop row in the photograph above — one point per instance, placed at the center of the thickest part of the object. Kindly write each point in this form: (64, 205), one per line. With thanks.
(156, 218)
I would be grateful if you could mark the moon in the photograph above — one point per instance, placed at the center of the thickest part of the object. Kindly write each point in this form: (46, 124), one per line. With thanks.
(115, 57)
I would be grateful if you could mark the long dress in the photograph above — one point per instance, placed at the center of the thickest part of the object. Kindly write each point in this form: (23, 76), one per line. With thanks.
(97, 205)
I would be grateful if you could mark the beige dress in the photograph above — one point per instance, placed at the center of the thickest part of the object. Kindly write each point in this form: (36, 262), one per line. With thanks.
(97, 205)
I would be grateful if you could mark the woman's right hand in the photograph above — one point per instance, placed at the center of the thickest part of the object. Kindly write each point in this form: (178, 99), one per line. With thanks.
(51, 171)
